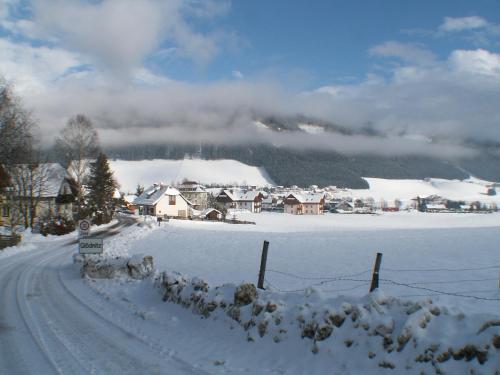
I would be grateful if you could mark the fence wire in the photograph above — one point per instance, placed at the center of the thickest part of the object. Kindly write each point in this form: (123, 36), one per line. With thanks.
(418, 285)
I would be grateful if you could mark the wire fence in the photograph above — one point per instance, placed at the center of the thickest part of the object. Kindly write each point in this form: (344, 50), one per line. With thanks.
(362, 279)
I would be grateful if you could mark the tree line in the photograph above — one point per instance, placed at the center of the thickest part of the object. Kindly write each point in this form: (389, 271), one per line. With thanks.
(25, 175)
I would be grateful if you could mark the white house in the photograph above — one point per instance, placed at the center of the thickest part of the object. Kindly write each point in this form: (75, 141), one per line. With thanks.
(49, 185)
(162, 201)
(241, 200)
(304, 204)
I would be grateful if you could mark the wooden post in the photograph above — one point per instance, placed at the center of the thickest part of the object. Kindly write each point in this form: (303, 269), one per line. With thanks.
(263, 261)
(376, 270)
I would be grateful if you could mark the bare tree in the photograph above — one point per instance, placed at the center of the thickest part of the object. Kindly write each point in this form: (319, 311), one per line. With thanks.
(30, 186)
(20, 158)
(16, 128)
(77, 146)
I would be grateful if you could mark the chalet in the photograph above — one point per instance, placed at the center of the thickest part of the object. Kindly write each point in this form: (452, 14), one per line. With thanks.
(241, 200)
(194, 193)
(307, 204)
(162, 201)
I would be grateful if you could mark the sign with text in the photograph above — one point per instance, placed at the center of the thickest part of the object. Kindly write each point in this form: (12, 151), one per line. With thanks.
(90, 246)
(84, 228)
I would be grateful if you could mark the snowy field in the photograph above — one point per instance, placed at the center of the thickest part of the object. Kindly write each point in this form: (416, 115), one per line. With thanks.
(469, 190)
(147, 172)
(429, 253)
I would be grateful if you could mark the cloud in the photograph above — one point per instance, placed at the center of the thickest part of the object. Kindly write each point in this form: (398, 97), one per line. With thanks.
(407, 52)
(74, 51)
(476, 62)
(120, 34)
(237, 74)
(457, 24)
(31, 68)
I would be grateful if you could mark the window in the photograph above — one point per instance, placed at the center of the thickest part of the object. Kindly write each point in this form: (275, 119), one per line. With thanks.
(171, 200)
(5, 211)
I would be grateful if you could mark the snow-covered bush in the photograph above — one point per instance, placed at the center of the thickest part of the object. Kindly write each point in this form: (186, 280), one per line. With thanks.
(394, 333)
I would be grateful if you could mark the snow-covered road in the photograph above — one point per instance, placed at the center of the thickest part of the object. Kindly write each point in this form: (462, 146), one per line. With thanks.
(51, 322)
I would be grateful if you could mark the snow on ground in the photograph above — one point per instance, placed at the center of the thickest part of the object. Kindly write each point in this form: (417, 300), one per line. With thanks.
(146, 172)
(440, 284)
(334, 258)
(467, 190)
(423, 250)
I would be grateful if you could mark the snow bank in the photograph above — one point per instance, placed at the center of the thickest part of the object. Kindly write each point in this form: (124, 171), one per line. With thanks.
(101, 267)
(390, 332)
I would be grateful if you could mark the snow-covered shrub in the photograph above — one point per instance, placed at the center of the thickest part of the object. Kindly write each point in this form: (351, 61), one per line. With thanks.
(394, 333)
(99, 267)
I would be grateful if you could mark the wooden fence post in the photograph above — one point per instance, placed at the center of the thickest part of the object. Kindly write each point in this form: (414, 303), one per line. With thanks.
(263, 261)
(376, 270)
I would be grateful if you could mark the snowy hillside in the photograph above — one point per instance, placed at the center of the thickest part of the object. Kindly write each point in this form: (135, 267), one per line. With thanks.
(146, 172)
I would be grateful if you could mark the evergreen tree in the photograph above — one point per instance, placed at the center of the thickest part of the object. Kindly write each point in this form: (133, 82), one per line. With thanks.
(139, 190)
(101, 187)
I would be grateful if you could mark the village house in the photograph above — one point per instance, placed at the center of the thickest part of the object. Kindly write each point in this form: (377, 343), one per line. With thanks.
(194, 193)
(304, 204)
(241, 200)
(54, 189)
(162, 201)
(342, 206)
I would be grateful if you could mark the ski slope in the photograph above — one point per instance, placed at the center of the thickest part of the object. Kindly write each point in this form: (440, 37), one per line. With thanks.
(147, 172)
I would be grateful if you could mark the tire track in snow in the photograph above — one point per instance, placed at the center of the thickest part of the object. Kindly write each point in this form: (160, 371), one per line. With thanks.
(145, 340)
(24, 313)
(67, 332)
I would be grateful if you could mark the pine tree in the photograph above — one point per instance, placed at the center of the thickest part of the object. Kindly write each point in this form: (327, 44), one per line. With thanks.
(101, 186)
(139, 190)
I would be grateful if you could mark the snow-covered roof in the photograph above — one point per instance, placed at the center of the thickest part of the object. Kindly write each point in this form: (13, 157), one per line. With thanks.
(436, 207)
(241, 195)
(154, 193)
(48, 178)
(308, 198)
(208, 210)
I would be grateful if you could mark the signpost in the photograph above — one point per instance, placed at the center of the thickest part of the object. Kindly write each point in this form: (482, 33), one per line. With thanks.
(90, 246)
(84, 228)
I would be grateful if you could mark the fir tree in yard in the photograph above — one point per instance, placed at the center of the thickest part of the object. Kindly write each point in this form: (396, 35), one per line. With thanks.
(101, 187)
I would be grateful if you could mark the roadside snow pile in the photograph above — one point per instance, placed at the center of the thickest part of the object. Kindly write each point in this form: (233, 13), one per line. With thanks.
(393, 333)
(97, 267)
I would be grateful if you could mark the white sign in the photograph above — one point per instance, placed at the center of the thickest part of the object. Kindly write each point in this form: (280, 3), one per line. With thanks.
(84, 227)
(90, 246)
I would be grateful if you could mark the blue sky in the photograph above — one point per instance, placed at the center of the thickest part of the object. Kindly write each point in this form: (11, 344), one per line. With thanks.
(319, 42)
(423, 72)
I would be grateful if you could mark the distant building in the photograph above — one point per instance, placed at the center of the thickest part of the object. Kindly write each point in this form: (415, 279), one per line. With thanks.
(241, 200)
(304, 204)
(211, 214)
(195, 194)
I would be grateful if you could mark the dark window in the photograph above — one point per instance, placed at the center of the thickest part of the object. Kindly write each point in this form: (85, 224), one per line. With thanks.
(171, 200)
